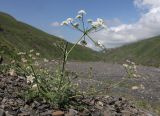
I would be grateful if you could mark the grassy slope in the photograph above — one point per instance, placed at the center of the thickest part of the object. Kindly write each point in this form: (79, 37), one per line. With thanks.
(146, 52)
(22, 37)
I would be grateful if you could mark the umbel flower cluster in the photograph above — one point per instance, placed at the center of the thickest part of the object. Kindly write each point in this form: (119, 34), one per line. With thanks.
(131, 69)
(91, 26)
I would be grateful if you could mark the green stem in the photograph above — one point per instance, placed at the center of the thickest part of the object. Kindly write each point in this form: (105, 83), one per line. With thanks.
(77, 28)
(63, 65)
(19, 67)
(38, 86)
(95, 42)
(64, 58)
(115, 85)
(74, 45)
(91, 38)
(83, 23)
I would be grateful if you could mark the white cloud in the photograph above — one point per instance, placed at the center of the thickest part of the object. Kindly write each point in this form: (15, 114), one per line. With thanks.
(113, 22)
(55, 24)
(147, 3)
(147, 26)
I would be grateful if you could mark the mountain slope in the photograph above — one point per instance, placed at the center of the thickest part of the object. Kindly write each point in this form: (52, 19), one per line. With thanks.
(18, 36)
(146, 52)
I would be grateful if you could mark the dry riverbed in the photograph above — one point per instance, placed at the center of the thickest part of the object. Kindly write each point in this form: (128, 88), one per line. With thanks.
(99, 74)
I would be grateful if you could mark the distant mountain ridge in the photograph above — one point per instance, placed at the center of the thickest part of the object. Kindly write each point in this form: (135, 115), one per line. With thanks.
(18, 36)
(145, 52)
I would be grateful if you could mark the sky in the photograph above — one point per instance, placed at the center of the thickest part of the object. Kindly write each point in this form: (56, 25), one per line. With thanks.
(127, 20)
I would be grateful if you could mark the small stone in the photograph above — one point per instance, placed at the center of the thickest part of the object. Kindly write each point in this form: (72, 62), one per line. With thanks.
(42, 107)
(107, 96)
(125, 113)
(99, 105)
(33, 105)
(20, 102)
(58, 113)
(134, 111)
(24, 114)
(72, 112)
(37, 103)
(20, 77)
(4, 100)
(117, 104)
(1, 98)
(85, 112)
(15, 108)
(7, 114)
(2, 106)
(2, 113)
(92, 103)
(107, 113)
(122, 99)
(26, 107)
(46, 113)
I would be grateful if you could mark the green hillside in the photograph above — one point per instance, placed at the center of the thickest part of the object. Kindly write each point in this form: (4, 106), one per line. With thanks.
(17, 36)
(145, 52)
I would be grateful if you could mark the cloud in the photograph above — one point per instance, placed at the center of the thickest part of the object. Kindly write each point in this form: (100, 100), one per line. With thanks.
(147, 26)
(55, 24)
(113, 22)
(147, 3)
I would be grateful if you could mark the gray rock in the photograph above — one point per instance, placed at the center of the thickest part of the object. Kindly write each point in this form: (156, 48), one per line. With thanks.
(24, 114)
(2, 113)
(4, 100)
(8, 114)
(73, 112)
(126, 113)
(47, 113)
(43, 107)
(107, 113)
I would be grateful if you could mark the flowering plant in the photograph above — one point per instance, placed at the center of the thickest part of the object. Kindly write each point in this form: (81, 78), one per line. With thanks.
(131, 69)
(56, 87)
(92, 26)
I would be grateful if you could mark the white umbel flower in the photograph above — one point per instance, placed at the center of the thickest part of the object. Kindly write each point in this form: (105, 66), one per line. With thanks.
(23, 60)
(37, 54)
(95, 24)
(135, 87)
(12, 72)
(78, 16)
(142, 86)
(99, 44)
(82, 12)
(34, 87)
(31, 51)
(45, 60)
(64, 23)
(69, 20)
(125, 65)
(30, 78)
(21, 53)
(98, 23)
(76, 25)
(89, 20)
(100, 20)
